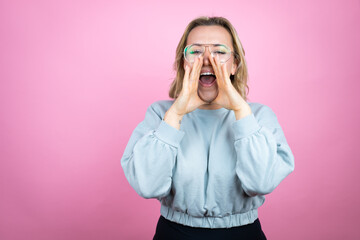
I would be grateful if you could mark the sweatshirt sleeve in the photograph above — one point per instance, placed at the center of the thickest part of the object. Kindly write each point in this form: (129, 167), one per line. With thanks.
(150, 156)
(264, 158)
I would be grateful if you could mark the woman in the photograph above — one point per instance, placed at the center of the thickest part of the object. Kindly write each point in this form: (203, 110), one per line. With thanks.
(208, 156)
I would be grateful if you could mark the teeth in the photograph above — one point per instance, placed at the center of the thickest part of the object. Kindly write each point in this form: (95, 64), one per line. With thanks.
(206, 73)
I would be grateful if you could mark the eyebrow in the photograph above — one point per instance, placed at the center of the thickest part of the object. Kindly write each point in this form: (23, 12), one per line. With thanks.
(215, 44)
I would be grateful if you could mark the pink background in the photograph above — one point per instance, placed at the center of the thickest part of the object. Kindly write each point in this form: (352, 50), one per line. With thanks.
(76, 78)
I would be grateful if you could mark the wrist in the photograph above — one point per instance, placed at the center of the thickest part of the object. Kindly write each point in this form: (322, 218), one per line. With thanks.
(242, 112)
(173, 119)
(171, 111)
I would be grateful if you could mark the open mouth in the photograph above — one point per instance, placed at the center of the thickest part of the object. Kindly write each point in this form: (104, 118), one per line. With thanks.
(207, 79)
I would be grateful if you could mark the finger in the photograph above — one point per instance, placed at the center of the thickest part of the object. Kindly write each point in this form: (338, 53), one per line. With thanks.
(195, 73)
(193, 69)
(225, 74)
(219, 64)
(197, 77)
(213, 64)
(186, 77)
(217, 70)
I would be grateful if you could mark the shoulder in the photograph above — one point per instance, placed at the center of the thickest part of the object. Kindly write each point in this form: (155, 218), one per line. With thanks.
(263, 113)
(259, 108)
(160, 107)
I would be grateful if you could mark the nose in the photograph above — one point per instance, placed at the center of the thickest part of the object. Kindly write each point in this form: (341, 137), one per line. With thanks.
(207, 55)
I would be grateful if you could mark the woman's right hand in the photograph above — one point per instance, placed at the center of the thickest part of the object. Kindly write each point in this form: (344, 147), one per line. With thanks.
(188, 99)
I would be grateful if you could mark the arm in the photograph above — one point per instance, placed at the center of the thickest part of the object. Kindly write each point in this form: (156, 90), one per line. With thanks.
(264, 158)
(150, 156)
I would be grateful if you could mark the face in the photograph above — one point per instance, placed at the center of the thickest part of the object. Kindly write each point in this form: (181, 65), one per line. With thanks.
(208, 91)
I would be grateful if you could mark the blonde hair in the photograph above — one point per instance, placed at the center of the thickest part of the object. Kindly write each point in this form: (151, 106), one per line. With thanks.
(239, 79)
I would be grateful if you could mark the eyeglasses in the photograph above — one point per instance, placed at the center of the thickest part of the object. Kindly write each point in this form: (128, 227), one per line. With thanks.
(193, 51)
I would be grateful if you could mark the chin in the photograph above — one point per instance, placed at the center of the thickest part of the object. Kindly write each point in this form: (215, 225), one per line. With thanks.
(208, 95)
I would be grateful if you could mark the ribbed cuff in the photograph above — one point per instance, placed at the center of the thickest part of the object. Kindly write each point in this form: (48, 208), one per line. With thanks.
(169, 134)
(245, 126)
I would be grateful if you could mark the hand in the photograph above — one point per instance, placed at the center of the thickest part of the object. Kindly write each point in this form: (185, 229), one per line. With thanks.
(188, 99)
(228, 97)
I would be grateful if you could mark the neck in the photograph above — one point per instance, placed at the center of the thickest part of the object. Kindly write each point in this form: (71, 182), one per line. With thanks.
(210, 106)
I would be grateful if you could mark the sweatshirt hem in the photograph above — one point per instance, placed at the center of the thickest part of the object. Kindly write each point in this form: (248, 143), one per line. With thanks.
(233, 220)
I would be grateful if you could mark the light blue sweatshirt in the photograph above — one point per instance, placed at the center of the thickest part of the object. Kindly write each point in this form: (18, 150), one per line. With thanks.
(215, 170)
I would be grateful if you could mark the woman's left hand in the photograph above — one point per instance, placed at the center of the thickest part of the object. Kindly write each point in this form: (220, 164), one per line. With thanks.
(228, 97)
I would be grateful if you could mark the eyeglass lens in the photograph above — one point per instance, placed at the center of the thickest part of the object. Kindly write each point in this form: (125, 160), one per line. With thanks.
(194, 51)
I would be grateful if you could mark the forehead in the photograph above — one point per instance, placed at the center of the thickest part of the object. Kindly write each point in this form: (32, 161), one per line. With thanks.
(209, 35)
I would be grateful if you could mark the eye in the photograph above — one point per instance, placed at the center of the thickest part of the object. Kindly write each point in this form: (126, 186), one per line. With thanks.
(195, 52)
(220, 52)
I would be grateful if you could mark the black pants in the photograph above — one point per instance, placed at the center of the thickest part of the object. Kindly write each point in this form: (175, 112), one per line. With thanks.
(167, 230)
